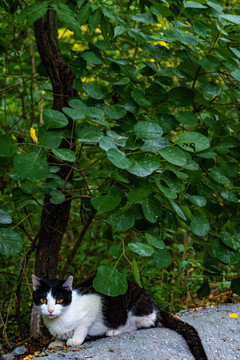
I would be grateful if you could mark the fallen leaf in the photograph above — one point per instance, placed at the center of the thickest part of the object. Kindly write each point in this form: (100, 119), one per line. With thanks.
(233, 316)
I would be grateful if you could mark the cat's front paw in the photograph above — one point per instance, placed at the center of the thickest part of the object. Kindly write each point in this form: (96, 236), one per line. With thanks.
(74, 342)
(113, 332)
(56, 343)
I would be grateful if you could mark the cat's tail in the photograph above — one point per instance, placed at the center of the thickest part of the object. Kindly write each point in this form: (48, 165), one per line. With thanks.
(189, 333)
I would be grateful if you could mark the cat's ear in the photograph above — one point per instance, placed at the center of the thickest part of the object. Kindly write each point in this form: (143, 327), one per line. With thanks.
(36, 282)
(68, 283)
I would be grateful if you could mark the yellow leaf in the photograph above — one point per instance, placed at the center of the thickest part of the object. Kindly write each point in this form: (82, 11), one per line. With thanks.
(33, 135)
(155, 341)
(176, 316)
(233, 316)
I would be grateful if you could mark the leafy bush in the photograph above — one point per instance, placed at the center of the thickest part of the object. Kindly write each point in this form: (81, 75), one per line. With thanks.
(154, 142)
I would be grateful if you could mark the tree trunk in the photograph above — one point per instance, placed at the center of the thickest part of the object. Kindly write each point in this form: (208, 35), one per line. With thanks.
(54, 218)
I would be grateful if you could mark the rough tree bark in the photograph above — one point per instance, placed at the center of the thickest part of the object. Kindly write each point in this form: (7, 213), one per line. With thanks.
(54, 218)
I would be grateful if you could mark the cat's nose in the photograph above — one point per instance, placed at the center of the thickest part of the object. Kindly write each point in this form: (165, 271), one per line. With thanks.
(50, 311)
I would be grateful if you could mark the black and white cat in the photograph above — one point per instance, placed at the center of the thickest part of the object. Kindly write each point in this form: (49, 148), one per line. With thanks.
(72, 314)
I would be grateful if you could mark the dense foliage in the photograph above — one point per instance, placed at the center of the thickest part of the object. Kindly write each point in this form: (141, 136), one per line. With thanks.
(154, 142)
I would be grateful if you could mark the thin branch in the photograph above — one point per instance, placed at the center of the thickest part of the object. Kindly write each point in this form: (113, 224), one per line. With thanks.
(77, 244)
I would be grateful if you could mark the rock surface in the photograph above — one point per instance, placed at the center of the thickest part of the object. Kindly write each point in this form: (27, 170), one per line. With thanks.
(20, 350)
(220, 336)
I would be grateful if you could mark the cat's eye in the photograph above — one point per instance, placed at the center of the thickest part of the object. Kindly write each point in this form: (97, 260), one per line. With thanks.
(43, 300)
(59, 301)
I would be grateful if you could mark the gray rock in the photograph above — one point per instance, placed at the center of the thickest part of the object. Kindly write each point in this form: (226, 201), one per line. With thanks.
(20, 350)
(219, 334)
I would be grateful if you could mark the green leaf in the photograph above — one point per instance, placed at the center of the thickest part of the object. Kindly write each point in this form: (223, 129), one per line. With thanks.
(139, 98)
(115, 112)
(162, 258)
(57, 197)
(5, 217)
(28, 187)
(199, 225)
(140, 248)
(64, 154)
(110, 281)
(193, 141)
(88, 134)
(136, 272)
(94, 20)
(201, 28)
(54, 119)
(10, 242)
(186, 118)
(107, 143)
(230, 240)
(106, 202)
(190, 164)
(93, 112)
(161, 9)
(170, 193)
(67, 16)
(152, 210)
(180, 96)
(177, 209)
(77, 104)
(137, 35)
(204, 290)
(236, 74)
(173, 155)
(147, 18)
(31, 166)
(121, 221)
(155, 241)
(231, 18)
(211, 63)
(123, 81)
(119, 159)
(119, 177)
(136, 196)
(92, 57)
(155, 145)
(235, 286)
(84, 14)
(50, 139)
(211, 89)
(197, 200)
(8, 146)
(156, 94)
(224, 253)
(217, 175)
(33, 12)
(228, 195)
(114, 250)
(118, 30)
(185, 38)
(171, 179)
(194, 5)
(145, 166)
(93, 91)
(148, 131)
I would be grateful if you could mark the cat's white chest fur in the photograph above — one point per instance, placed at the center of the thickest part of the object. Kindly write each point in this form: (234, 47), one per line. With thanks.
(84, 313)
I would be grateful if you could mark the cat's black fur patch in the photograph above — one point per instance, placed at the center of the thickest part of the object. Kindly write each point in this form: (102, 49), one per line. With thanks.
(115, 309)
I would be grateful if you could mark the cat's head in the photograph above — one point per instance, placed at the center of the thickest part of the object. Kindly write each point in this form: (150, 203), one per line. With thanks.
(52, 296)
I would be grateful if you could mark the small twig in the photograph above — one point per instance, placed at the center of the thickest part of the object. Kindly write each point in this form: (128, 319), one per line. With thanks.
(26, 217)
